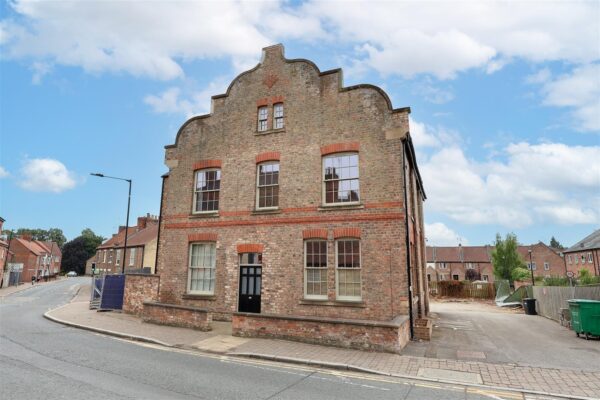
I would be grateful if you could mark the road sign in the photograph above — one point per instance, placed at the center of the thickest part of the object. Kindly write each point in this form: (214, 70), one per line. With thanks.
(570, 274)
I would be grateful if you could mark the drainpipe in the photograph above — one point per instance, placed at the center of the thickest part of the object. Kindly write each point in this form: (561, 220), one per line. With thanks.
(162, 192)
(408, 271)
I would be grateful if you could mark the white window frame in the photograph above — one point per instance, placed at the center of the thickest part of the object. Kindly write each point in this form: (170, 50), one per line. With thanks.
(118, 257)
(337, 269)
(278, 116)
(583, 259)
(576, 259)
(132, 255)
(570, 259)
(485, 278)
(589, 257)
(213, 267)
(110, 256)
(469, 266)
(324, 182)
(314, 296)
(196, 191)
(532, 266)
(258, 207)
(259, 126)
(104, 257)
(443, 265)
(546, 266)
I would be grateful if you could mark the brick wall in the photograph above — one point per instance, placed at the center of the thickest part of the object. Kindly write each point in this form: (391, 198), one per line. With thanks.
(138, 289)
(576, 261)
(320, 115)
(182, 316)
(366, 335)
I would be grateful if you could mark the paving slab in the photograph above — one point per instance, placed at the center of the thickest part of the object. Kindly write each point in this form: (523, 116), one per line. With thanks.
(571, 382)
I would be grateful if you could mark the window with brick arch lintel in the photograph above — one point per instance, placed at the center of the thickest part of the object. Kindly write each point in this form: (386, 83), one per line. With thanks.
(315, 269)
(340, 179)
(348, 269)
(267, 185)
(206, 190)
(201, 274)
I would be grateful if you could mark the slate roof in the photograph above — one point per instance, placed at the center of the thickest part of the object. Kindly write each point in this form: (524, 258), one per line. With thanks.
(590, 242)
(135, 236)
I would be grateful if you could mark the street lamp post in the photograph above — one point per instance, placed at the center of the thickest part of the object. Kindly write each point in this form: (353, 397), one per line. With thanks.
(531, 268)
(127, 221)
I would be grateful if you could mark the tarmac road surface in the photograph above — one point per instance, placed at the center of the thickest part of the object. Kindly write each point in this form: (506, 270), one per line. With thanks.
(43, 360)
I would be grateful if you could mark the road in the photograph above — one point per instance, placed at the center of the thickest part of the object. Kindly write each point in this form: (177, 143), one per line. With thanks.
(40, 359)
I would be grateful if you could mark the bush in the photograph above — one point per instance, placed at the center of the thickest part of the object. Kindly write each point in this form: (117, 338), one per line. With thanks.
(586, 278)
(556, 281)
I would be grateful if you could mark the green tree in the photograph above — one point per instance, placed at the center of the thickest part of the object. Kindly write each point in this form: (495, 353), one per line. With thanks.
(555, 244)
(74, 256)
(92, 241)
(79, 250)
(508, 263)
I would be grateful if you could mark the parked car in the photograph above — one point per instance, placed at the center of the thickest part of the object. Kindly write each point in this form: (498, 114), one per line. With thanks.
(71, 273)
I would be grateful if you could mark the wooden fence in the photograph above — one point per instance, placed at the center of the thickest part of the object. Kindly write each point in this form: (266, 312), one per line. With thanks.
(462, 289)
(550, 299)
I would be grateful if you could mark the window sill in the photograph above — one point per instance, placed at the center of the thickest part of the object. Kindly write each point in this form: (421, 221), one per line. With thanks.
(189, 296)
(341, 206)
(210, 214)
(335, 303)
(261, 211)
(261, 133)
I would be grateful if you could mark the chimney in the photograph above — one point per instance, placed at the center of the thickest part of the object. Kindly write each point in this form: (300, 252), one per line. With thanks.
(141, 222)
(121, 228)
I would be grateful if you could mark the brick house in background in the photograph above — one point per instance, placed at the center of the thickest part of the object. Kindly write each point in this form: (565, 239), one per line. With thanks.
(4, 254)
(39, 258)
(445, 263)
(453, 262)
(295, 210)
(584, 254)
(141, 248)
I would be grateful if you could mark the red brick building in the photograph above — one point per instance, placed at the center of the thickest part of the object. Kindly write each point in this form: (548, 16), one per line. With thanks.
(445, 263)
(4, 255)
(295, 210)
(141, 248)
(584, 254)
(39, 258)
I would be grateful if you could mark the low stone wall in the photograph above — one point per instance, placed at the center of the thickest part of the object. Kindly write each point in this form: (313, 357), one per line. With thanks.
(390, 336)
(138, 289)
(176, 315)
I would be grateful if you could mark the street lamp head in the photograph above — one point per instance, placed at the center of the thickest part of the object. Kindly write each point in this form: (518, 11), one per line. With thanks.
(529, 251)
(97, 174)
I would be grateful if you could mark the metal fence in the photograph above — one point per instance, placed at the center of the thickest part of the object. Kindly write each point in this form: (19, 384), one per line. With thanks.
(477, 290)
(551, 299)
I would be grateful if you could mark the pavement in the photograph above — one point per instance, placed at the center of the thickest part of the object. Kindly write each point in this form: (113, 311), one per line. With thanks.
(6, 291)
(492, 371)
(40, 359)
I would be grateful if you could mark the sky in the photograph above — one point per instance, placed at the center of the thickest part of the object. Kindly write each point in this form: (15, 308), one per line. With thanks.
(505, 100)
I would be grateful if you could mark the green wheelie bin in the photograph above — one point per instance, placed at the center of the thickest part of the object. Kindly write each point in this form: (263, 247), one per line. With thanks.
(585, 317)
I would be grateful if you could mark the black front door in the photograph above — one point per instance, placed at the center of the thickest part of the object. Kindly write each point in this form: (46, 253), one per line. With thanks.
(250, 282)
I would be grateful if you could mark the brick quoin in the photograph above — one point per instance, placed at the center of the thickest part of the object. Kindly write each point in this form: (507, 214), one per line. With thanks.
(250, 248)
(207, 164)
(339, 148)
(320, 117)
(346, 232)
(202, 237)
(314, 234)
(268, 156)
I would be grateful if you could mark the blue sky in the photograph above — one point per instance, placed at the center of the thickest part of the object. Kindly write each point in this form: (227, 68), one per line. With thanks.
(505, 102)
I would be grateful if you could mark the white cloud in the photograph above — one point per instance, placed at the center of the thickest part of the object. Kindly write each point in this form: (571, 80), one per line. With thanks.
(3, 172)
(432, 93)
(424, 135)
(579, 91)
(439, 234)
(403, 38)
(536, 183)
(541, 76)
(46, 175)
(173, 101)
(443, 39)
